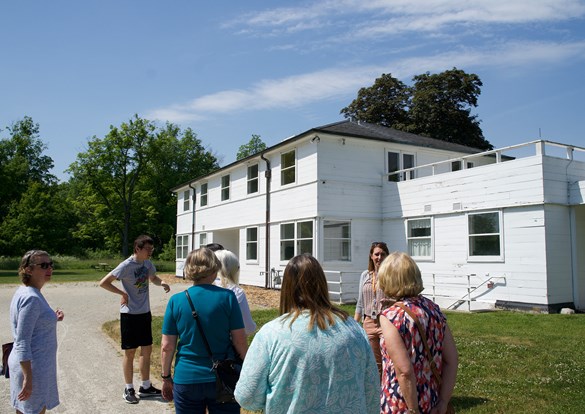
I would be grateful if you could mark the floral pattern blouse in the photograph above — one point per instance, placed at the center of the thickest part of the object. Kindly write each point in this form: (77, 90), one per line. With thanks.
(434, 322)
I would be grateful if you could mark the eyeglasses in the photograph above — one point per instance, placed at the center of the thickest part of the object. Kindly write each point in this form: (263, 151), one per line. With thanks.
(44, 265)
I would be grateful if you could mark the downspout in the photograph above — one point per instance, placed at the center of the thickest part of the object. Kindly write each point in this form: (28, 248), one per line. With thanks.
(193, 218)
(268, 175)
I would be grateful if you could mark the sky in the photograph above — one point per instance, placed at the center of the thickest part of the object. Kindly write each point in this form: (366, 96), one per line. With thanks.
(232, 69)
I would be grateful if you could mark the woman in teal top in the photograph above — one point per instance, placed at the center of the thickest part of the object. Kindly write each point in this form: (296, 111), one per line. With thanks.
(314, 358)
(193, 384)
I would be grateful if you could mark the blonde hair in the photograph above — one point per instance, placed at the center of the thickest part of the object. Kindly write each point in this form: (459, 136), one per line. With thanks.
(26, 262)
(229, 274)
(201, 263)
(304, 287)
(399, 276)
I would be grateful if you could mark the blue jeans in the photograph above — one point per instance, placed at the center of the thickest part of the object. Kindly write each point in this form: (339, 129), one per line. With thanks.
(195, 398)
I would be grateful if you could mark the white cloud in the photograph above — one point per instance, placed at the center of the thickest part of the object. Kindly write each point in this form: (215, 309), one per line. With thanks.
(300, 90)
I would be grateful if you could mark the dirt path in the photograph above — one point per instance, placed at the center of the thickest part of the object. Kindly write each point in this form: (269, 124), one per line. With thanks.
(90, 364)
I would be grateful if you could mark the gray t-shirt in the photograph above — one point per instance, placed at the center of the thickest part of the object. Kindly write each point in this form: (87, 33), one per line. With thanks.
(135, 281)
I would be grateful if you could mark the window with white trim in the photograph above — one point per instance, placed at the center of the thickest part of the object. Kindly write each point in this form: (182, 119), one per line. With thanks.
(456, 165)
(253, 179)
(296, 238)
(252, 243)
(203, 195)
(485, 235)
(182, 246)
(400, 161)
(202, 239)
(419, 234)
(186, 200)
(225, 187)
(336, 241)
(287, 167)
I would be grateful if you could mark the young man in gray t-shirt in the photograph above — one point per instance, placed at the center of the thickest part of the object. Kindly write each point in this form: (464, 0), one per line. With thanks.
(134, 274)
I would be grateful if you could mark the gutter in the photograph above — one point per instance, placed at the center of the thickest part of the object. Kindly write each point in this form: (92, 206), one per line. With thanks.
(268, 175)
(194, 199)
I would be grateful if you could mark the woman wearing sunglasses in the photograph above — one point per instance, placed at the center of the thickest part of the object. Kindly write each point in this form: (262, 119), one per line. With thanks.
(371, 300)
(33, 360)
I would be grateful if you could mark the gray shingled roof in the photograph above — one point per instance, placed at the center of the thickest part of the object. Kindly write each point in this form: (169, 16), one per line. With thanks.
(381, 133)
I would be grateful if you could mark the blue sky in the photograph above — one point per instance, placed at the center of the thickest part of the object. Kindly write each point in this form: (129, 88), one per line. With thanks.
(230, 69)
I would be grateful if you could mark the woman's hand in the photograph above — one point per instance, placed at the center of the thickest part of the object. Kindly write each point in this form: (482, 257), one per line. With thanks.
(167, 389)
(60, 314)
(26, 390)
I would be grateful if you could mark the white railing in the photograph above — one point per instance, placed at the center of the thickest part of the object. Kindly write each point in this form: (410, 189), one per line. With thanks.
(538, 146)
(343, 286)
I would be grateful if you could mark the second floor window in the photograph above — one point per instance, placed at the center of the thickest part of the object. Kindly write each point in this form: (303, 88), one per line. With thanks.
(203, 197)
(225, 187)
(287, 168)
(400, 161)
(253, 179)
(186, 203)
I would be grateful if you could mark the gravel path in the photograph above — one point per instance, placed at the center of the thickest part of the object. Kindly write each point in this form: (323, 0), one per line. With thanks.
(89, 364)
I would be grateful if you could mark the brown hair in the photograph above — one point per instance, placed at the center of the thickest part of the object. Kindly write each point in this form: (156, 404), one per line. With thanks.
(141, 241)
(399, 276)
(201, 263)
(304, 287)
(382, 246)
(26, 261)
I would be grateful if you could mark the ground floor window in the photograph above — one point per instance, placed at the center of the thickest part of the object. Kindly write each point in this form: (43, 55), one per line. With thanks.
(202, 239)
(182, 246)
(419, 236)
(337, 240)
(296, 238)
(252, 243)
(485, 238)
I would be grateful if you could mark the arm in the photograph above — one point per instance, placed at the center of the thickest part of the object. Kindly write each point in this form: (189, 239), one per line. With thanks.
(449, 372)
(239, 341)
(167, 350)
(249, 323)
(402, 364)
(359, 306)
(253, 385)
(158, 282)
(107, 283)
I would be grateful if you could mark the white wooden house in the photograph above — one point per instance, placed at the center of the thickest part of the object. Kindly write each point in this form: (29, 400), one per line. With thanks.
(502, 228)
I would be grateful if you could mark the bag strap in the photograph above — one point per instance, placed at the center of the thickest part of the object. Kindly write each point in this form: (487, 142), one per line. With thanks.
(196, 317)
(423, 336)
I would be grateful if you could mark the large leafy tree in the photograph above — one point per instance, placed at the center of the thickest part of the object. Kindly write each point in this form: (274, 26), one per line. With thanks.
(438, 106)
(22, 162)
(254, 146)
(121, 183)
(41, 218)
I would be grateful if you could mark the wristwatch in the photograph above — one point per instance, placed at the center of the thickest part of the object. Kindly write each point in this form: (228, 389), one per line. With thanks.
(165, 376)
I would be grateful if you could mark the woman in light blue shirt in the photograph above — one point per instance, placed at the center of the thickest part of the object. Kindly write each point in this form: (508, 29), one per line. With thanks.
(313, 358)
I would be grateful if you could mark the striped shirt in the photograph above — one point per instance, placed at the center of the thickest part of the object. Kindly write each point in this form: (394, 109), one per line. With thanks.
(369, 299)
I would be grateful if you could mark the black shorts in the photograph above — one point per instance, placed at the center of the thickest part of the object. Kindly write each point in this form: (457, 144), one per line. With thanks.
(135, 330)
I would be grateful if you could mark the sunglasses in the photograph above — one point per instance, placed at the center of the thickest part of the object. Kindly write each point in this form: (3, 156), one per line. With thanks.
(378, 244)
(44, 265)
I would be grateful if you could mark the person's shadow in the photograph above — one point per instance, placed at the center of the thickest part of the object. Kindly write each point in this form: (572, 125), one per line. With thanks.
(462, 403)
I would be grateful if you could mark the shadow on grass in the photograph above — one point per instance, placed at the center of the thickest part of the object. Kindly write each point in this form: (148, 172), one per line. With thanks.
(463, 403)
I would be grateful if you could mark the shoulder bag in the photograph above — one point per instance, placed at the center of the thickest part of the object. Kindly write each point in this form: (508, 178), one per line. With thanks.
(6, 348)
(421, 331)
(227, 371)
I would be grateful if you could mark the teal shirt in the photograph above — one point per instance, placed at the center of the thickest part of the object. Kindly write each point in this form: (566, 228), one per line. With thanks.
(293, 370)
(219, 314)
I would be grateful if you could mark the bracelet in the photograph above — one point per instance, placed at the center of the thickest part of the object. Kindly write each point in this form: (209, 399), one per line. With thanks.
(165, 377)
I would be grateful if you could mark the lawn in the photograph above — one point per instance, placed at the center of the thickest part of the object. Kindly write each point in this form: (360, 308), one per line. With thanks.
(59, 276)
(509, 362)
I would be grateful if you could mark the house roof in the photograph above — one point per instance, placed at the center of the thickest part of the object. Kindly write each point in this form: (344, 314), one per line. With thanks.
(355, 129)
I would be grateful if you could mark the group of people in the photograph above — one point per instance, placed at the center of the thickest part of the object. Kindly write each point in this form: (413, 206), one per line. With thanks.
(313, 358)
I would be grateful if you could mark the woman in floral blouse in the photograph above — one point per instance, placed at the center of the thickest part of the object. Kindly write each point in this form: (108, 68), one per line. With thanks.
(408, 384)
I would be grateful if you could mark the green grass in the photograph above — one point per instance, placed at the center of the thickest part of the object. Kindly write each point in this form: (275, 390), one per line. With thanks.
(59, 276)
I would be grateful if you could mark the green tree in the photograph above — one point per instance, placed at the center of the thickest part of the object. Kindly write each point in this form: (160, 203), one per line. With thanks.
(40, 219)
(22, 162)
(438, 106)
(121, 184)
(254, 146)
(384, 103)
